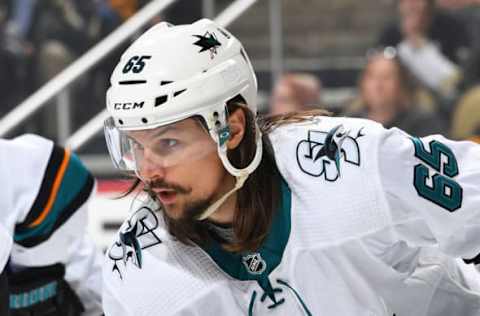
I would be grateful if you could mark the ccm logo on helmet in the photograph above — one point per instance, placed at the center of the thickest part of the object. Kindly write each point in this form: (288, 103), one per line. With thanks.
(128, 105)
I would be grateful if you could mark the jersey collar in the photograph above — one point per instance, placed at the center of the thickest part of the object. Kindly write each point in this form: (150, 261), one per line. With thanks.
(258, 265)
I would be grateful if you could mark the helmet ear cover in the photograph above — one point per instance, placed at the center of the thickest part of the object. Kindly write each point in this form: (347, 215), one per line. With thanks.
(221, 132)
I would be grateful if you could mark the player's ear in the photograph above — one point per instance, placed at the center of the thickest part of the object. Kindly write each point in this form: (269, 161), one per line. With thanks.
(236, 122)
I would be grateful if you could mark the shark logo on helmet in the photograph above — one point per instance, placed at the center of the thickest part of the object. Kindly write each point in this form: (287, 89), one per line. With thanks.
(209, 42)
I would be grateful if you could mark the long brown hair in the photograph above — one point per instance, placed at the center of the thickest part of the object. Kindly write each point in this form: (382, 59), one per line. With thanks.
(259, 197)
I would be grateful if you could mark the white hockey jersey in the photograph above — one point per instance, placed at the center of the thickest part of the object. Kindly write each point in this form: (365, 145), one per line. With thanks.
(376, 231)
(43, 214)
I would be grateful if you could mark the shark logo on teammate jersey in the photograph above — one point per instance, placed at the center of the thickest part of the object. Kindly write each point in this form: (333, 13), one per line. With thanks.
(136, 234)
(321, 153)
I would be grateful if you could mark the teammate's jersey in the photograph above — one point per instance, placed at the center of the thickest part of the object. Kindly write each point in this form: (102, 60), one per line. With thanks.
(43, 215)
(374, 230)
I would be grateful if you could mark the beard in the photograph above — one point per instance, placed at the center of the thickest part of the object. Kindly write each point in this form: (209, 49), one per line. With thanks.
(185, 227)
(191, 210)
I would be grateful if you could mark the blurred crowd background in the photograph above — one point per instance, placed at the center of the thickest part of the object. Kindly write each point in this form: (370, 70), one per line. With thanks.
(414, 64)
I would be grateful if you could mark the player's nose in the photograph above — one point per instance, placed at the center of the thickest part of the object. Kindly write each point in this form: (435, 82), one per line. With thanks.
(150, 168)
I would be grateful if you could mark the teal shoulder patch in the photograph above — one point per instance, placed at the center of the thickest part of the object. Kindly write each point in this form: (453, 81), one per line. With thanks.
(67, 184)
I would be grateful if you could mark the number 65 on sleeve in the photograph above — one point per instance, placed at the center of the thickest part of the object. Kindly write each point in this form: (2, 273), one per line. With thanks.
(432, 187)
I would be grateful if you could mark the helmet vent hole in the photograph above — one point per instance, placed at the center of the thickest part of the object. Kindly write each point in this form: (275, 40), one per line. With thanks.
(165, 82)
(179, 92)
(127, 82)
(144, 120)
(215, 114)
(160, 100)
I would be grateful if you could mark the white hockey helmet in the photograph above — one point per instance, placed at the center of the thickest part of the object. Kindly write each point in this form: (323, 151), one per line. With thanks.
(172, 73)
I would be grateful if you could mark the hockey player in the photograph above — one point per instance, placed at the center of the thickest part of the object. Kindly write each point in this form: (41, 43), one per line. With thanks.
(301, 214)
(48, 264)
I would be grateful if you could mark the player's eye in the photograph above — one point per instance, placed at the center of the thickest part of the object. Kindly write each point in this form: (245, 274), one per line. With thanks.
(166, 145)
(169, 143)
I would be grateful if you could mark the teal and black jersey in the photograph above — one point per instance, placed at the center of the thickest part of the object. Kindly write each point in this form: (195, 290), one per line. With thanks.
(43, 212)
(66, 185)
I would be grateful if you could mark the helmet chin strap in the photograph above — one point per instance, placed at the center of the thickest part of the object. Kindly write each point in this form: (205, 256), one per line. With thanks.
(240, 180)
(241, 175)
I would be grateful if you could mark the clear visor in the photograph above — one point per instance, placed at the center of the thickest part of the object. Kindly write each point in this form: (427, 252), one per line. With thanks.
(180, 143)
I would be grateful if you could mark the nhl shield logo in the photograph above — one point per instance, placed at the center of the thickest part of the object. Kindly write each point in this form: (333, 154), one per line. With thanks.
(254, 263)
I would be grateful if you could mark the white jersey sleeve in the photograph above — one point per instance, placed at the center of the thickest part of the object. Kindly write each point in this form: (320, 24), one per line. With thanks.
(432, 187)
(44, 213)
(5, 246)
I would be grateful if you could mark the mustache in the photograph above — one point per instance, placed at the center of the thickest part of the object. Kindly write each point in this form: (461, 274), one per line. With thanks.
(161, 184)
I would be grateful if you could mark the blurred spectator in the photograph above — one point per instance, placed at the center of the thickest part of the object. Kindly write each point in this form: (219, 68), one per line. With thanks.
(18, 25)
(456, 4)
(295, 92)
(175, 13)
(466, 117)
(387, 95)
(433, 44)
(61, 32)
(476, 137)
(469, 12)
(16, 50)
(125, 8)
(111, 14)
(41, 38)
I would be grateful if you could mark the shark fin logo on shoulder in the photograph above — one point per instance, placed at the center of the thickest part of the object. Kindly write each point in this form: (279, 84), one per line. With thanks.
(322, 153)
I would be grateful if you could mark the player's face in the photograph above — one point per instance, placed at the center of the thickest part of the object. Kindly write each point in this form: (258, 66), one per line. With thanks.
(182, 167)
